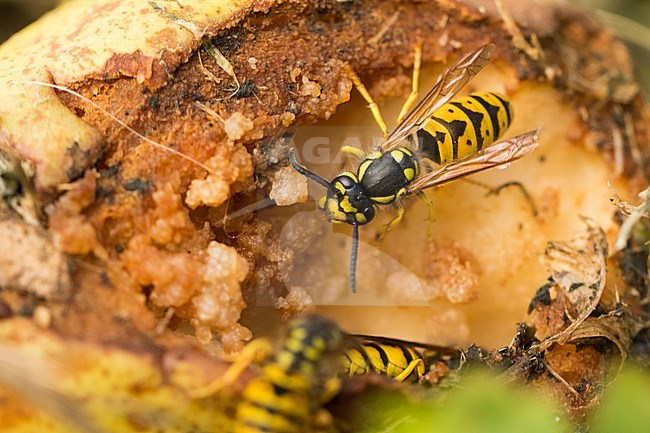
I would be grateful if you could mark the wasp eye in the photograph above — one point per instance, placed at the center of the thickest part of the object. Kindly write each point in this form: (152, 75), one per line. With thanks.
(369, 213)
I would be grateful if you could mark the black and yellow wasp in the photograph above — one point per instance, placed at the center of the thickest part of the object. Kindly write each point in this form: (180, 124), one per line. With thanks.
(401, 360)
(304, 372)
(286, 395)
(457, 135)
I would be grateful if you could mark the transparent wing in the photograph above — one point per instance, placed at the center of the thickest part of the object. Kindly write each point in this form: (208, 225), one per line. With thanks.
(442, 350)
(450, 82)
(500, 153)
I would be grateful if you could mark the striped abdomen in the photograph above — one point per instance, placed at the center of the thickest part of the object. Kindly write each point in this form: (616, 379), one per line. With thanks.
(464, 126)
(389, 359)
(283, 397)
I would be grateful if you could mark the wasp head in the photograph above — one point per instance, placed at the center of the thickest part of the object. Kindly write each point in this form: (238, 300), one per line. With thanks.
(347, 201)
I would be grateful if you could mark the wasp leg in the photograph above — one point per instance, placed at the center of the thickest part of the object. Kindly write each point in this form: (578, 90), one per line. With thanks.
(415, 83)
(430, 213)
(255, 351)
(412, 366)
(498, 189)
(323, 422)
(351, 150)
(522, 188)
(330, 389)
(374, 108)
(429, 164)
(395, 221)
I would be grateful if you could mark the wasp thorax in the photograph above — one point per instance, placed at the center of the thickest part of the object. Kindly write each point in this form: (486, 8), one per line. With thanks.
(347, 201)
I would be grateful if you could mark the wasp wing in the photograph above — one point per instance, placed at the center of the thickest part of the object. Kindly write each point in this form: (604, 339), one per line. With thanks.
(450, 82)
(442, 350)
(500, 153)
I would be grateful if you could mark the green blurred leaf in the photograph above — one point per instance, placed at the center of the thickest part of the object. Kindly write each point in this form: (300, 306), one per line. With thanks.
(478, 405)
(625, 405)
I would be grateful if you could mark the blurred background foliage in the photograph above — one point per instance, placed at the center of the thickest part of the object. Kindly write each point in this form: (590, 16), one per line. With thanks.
(630, 19)
(481, 403)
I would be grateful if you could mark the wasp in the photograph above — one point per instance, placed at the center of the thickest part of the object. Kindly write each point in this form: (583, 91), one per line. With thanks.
(306, 372)
(287, 393)
(457, 135)
(401, 360)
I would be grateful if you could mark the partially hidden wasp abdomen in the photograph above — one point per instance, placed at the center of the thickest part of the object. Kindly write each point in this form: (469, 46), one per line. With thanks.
(285, 396)
(459, 135)
(401, 360)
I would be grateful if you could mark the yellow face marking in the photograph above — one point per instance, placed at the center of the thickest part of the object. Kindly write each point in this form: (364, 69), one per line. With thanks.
(360, 218)
(339, 187)
(397, 155)
(346, 206)
(333, 211)
(321, 202)
(409, 173)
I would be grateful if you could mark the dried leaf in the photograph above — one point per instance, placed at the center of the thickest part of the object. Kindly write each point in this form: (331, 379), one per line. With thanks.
(533, 49)
(221, 60)
(578, 267)
(615, 327)
(635, 213)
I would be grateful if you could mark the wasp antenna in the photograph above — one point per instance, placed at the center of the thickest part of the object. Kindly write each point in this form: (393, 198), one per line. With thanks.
(353, 258)
(258, 205)
(308, 174)
(119, 122)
